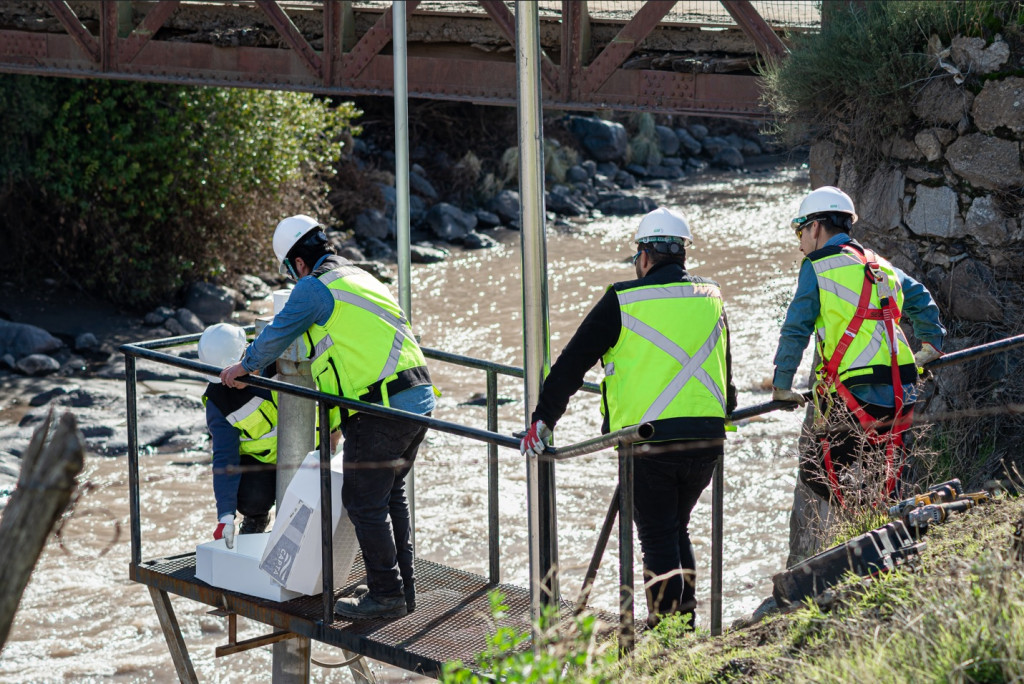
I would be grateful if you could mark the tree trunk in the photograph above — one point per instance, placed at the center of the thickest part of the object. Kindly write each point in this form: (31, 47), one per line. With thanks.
(45, 485)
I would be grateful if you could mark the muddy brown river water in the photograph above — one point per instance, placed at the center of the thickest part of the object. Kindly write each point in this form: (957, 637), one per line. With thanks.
(81, 619)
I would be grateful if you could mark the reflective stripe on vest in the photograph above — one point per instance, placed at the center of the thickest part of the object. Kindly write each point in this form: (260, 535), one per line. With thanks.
(256, 422)
(366, 343)
(649, 374)
(840, 278)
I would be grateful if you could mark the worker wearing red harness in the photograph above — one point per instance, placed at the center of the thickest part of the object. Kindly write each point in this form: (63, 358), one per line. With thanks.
(852, 301)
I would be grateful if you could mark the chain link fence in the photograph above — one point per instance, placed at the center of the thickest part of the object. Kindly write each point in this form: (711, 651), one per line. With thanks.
(791, 14)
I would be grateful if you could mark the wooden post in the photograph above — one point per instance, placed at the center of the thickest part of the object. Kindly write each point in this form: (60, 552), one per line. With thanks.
(47, 480)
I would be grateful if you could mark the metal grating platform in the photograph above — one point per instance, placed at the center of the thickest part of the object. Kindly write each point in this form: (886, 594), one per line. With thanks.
(452, 619)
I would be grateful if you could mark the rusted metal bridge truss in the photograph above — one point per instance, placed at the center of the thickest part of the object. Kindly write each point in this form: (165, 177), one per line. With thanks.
(457, 50)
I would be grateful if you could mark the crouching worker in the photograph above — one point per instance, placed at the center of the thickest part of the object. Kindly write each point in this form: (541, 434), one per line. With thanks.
(243, 427)
(360, 346)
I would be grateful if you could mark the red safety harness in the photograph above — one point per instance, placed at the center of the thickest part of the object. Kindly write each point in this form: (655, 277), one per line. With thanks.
(889, 313)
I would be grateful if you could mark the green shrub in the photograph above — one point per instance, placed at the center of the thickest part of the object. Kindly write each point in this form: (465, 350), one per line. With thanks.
(137, 189)
(856, 79)
(578, 654)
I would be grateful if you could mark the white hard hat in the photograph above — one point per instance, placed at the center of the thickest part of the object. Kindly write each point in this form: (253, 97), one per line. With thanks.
(289, 231)
(221, 345)
(825, 200)
(664, 225)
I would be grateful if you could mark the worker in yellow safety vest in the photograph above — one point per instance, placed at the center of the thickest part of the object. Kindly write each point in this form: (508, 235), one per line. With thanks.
(243, 430)
(361, 347)
(852, 301)
(663, 342)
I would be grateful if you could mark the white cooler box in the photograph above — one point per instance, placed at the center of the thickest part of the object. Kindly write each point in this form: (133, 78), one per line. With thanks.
(286, 562)
(238, 569)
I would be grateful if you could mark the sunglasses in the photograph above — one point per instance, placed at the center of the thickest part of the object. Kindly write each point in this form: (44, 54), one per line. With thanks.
(800, 223)
(636, 257)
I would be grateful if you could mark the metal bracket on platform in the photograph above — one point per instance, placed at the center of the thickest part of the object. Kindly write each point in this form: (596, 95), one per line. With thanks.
(234, 645)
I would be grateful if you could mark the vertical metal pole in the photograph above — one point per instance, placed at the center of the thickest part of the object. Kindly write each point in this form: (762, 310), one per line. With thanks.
(402, 155)
(133, 459)
(326, 513)
(295, 431)
(627, 633)
(492, 481)
(402, 211)
(539, 475)
(717, 487)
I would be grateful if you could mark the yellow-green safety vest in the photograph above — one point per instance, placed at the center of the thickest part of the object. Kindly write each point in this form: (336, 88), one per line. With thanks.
(255, 419)
(366, 349)
(840, 275)
(668, 366)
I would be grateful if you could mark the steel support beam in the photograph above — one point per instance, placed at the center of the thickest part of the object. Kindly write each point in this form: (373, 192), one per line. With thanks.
(625, 42)
(292, 36)
(144, 32)
(69, 20)
(757, 29)
(372, 42)
(506, 23)
(172, 634)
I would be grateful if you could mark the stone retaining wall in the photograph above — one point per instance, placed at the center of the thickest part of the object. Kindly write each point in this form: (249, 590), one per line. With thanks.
(945, 205)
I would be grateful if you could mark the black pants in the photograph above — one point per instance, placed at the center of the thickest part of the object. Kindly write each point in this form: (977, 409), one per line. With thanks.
(378, 454)
(859, 466)
(257, 487)
(668, 480)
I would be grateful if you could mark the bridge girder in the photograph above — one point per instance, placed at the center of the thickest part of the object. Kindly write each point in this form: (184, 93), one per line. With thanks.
(339, 52)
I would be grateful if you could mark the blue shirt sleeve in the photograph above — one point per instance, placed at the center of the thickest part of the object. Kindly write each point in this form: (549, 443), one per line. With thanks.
(922, 310)
(225, 455)
(797, 328)
(310, 302)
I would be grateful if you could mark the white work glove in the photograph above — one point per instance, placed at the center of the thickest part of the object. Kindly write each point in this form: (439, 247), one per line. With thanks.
(537, 437)
(927, 354)
(226, 530)
(779, 394)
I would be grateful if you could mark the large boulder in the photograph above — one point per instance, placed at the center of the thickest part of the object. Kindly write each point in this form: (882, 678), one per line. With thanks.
(668, 141)
(506, 205)
(627, 205)
(211, 303)
(986, 162)
(603, 140)
(936, 213)
(822, 160)
(971, 291)
(986, 222)
(971, 54)
(942, 102)
(561, 200)
(373, 223)
(22, 339)
(879, 203)
(1000, 103)
(37, 364)
(450, 223)
(422, 186)
(687, 142)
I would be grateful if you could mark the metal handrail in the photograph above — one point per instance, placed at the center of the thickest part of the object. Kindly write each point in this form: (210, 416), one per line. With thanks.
(150, 350)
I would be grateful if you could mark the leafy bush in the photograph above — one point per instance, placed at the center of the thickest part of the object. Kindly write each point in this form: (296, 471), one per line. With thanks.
(857, 77)
(576, 656)
(134, 189)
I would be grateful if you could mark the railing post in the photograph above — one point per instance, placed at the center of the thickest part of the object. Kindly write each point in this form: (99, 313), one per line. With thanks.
(295, 432)
(134, 507)
(627, 633)
(540, 473)
(326, 512)
(717, 511)
(493, 531)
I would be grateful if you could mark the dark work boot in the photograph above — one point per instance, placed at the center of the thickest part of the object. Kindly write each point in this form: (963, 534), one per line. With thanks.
(410, 596)
(368, 606)
(254, 524)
